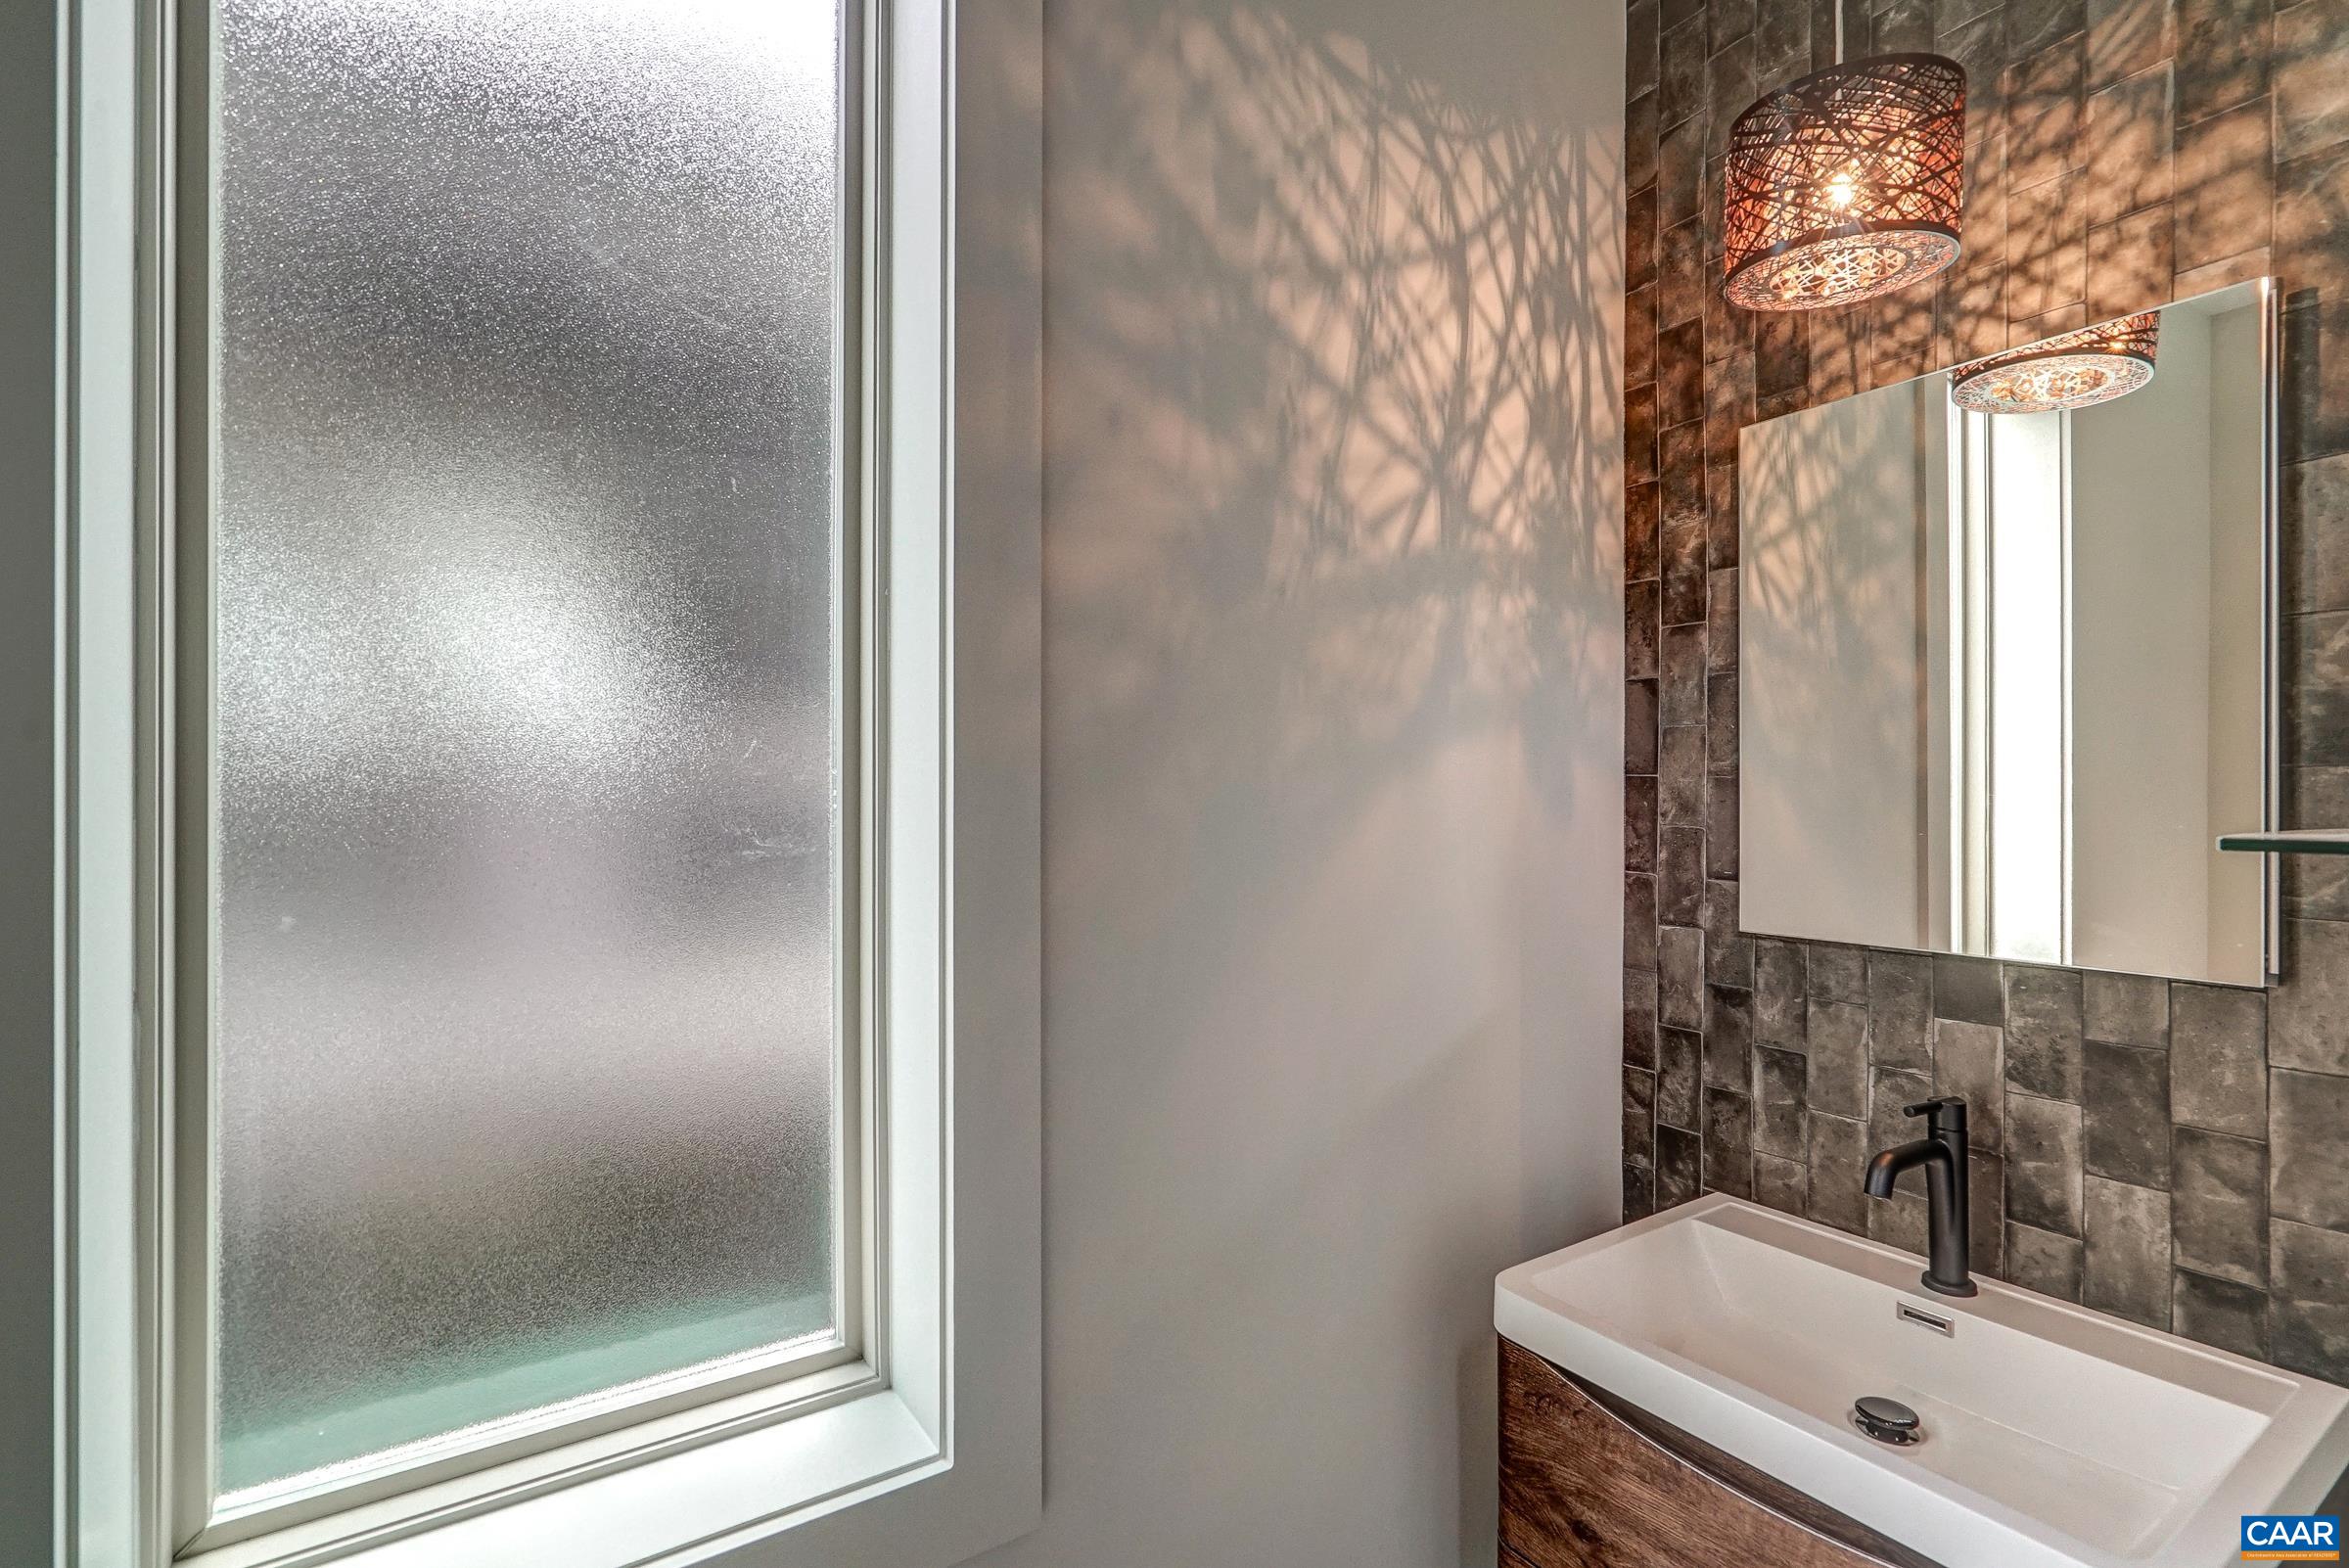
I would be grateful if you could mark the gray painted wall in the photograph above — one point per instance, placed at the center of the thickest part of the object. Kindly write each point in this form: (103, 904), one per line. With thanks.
(1332, 675)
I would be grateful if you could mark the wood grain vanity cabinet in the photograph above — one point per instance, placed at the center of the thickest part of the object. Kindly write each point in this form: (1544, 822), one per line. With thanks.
(1589, 1481)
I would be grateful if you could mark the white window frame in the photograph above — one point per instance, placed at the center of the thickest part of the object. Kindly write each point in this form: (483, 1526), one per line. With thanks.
(926, 1452)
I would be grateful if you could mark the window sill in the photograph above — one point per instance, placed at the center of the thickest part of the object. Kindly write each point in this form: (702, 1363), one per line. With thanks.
(732, 1498)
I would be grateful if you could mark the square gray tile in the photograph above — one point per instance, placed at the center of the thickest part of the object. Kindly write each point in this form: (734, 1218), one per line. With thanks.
(2221, 1313)
(2219, 1059)
(1838, 1052)
(2220, 1204)
(2125, 1114)
(2044, 1031)
(1969, 1062)
(2308, 1013)
(1900, 1009)
(2039, 1260)
(2307, 1148)
(2126, 1009)
(2044, 1168)
(2126, 1270)
(1968, 989)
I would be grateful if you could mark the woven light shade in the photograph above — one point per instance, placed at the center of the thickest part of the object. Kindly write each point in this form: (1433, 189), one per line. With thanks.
(2075, 370)
(1846, 184)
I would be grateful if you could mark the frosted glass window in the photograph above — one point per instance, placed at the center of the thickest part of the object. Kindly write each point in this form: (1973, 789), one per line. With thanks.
(526, 742)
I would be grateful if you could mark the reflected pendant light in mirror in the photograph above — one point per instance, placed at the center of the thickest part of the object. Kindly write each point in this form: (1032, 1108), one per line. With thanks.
(1844, 184)
(2075, 370)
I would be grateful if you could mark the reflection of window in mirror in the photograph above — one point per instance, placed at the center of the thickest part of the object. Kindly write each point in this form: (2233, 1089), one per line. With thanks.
(2012, 702)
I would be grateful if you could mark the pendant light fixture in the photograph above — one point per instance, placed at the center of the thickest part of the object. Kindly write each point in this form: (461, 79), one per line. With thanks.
(2074, 370)
(1844, 184)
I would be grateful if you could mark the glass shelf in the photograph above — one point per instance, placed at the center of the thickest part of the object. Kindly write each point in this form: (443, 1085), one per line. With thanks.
(2289, 841)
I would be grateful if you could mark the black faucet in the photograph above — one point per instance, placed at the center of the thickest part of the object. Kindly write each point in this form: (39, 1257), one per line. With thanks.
(1942, 1152)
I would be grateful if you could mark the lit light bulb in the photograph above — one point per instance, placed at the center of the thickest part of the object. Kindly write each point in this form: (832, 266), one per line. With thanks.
(1842, 189)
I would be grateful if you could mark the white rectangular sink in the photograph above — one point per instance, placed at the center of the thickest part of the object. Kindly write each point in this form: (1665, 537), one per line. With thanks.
(2053, 1435)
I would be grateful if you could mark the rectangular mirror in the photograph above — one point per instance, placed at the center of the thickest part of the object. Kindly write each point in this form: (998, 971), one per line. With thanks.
(2004, 678)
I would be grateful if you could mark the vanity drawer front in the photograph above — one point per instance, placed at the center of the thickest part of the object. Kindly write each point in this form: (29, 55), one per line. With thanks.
(1582, 1486)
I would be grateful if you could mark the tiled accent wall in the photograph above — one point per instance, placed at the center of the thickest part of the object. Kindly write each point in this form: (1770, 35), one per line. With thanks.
(2177, 1154)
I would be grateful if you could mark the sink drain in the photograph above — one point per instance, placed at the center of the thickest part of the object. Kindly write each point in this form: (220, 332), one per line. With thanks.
(1886, 1420)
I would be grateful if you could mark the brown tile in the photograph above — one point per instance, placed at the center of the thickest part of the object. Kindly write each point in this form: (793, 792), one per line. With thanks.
(1683, 665)
(2222, 186)
(1728, 21)
(1720, 619)
(2308, 1013)
(1640, 726)
(1638, 1117)
(1642, 630)
(2044, 1169)
(1782, 994)
(1980, 46)
(1974, 320)
(2128, 36)
(2222, 273)
(1684, 587)
(2126, 1009)
(1681, 286)
(2219, 1059)
(1904, 27)
(2128, 146)
(1728, 87)
(2311, 77)
(1720, 514)
(2222, 54)
(2127, 1267)
(1721, 721)
(1728, 1156)
(1681, 374)
(1728, 409)
(1640, 237)
(1969, 1062)
(1681, 455)
(1640, 434)
(1641, 525)
(1900, 1009)
(2046, 105)
(2219, 1185)
(2046, 248)
(1781, 43)
(2037, 328)
(2042, 1261)
(1681, 72)
(1639, 336)
(1640, 50)
(1837, 1045)
(1720, 824)
(1640, 138)
(1679, 1058)
(1729, 331)
(2044, 1031)
(2129, 264)
(2219, 1313)
(2309, 1158)
(2125, 1116)
(1680, 174)
(2039, 26)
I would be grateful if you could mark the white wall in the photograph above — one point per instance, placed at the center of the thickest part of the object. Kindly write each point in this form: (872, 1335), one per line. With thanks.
(1333, 683)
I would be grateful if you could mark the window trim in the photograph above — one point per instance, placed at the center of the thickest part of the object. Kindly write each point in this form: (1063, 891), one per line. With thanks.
(938, 1454)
